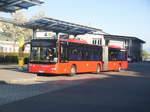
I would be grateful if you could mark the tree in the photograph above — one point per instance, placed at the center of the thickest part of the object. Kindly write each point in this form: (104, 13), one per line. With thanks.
(145, 54)
(13, 32)
(38, 15)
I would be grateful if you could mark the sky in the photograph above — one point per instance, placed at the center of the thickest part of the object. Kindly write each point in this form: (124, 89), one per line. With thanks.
(118, 17)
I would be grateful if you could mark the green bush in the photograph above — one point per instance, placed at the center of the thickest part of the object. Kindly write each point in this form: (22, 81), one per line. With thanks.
(12, 57)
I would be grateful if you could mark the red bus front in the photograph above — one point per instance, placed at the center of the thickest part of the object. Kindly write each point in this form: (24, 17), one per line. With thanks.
(44, 56)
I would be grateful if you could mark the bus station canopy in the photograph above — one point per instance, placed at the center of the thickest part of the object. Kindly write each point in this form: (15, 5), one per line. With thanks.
(14, 5)
(58, 26)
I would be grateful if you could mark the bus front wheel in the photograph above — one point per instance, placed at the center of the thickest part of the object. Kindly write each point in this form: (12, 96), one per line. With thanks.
(72, 70)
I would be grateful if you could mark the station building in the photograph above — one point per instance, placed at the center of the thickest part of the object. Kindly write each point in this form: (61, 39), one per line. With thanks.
(9, 46)
(134, 45)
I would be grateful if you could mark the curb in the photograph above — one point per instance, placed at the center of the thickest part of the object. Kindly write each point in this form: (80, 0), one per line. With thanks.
(17, 81)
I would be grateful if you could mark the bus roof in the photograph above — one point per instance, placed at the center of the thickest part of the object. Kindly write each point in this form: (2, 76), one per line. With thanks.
(75, 41)
(113, 46)
(14, 5)
(79, 41)
(67, 40)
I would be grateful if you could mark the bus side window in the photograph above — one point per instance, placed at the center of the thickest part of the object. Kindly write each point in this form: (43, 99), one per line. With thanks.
(100, 53)
(85, 53)
(123, 56)
(91, 54)
(80, 54)
(112, 56)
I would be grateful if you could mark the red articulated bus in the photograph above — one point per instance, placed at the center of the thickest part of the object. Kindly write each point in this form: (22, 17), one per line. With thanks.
(71, 56)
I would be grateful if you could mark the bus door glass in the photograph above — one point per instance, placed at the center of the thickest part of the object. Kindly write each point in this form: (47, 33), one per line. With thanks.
(63, 51)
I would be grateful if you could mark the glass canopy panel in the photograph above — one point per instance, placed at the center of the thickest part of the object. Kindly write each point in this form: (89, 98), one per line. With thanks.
(50, 24)
(13, 5)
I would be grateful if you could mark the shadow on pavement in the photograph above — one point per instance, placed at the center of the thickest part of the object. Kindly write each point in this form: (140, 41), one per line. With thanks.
(112, 94)
(126, 91)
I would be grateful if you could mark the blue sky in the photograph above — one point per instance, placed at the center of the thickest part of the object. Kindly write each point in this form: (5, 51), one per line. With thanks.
(120, 17)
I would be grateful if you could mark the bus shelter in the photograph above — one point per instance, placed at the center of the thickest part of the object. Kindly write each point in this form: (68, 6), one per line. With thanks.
(58, 26)
(11, 6)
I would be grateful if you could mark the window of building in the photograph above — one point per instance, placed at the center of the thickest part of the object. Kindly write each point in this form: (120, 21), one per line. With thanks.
(97, 41)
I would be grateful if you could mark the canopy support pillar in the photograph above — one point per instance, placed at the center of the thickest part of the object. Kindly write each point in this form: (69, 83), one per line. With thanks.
(34, 34)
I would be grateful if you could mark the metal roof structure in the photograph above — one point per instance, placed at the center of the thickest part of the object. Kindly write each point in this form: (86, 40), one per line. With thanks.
(123, 38)
(14, 5)
(8, 20)
(58, 26)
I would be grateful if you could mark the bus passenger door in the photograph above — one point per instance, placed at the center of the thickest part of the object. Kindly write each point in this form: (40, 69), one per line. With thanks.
(105, 58)
(64, 61)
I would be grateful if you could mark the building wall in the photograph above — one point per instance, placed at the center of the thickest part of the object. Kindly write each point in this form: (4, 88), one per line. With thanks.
(44, 34)
(93, 39)
(100, 40)
(9, 46)
(119, 43)
(135, 48)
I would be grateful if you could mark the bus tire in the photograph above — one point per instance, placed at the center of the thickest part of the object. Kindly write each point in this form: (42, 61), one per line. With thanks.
(39, 74)
(72, 70)
(119, 68)
(98, 69)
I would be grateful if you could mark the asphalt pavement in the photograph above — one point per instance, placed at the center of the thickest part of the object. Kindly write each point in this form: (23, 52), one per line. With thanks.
(9, 74)
(127, 91)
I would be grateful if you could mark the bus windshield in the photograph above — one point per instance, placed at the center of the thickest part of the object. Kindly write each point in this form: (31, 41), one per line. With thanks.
(43, 54)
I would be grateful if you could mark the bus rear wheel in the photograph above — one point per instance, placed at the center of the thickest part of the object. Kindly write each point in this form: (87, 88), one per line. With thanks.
(98, 69)
(40, 74)
(119, 68)
(72, 70)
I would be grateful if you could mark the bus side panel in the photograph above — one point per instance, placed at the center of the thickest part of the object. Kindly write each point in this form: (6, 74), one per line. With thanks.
(82, 66)
(113, 65)
(93, 66)
(87, 66)
(63, 68)
(124, 65)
